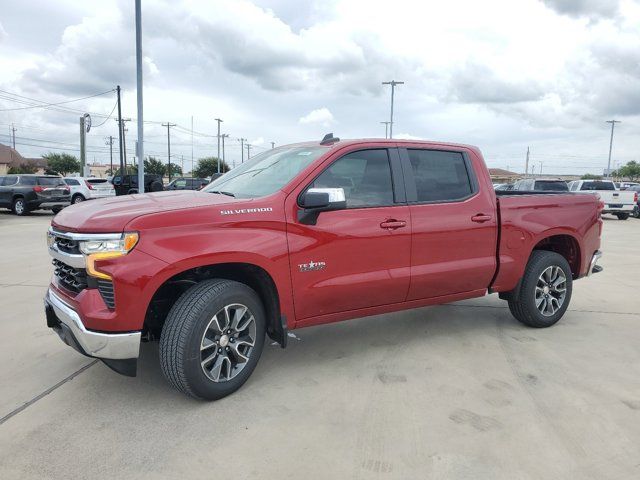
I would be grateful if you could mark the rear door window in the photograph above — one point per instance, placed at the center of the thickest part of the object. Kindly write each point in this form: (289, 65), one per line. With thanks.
(28, 181)
(72, 181)
(440, 176)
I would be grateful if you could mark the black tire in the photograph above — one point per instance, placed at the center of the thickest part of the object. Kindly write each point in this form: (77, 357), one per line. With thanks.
(19, 207)
(77, 198)
(622, 216)
(56, 210)
(636, 212)
(156, 186)
(133, 191)
(524, 308)
(184, 330)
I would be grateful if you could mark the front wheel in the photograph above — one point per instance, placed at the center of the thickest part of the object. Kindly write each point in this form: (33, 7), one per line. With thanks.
(622, 216)
(545, 291)
(212, 339)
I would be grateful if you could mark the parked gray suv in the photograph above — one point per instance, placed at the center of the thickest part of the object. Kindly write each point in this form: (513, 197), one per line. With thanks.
(23, 193)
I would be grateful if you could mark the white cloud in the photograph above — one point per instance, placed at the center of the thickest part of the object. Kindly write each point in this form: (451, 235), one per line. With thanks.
(320, 116)
(544, 73)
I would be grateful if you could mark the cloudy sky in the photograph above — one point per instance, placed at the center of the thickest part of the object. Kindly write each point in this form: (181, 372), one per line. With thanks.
(500, 74)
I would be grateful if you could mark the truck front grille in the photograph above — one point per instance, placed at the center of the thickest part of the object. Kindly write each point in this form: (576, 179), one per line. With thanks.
(74, 279)
(67, 245)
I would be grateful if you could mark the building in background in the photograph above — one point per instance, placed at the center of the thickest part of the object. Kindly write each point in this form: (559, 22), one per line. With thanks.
(9, 157)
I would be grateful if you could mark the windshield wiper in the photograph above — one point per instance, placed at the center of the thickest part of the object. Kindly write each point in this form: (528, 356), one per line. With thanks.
(223, 193)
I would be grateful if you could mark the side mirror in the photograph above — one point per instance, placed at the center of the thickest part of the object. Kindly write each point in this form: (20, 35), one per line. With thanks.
(317, 200)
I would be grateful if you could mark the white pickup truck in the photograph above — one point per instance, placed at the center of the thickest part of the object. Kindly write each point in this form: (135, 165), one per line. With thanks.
(617, 202)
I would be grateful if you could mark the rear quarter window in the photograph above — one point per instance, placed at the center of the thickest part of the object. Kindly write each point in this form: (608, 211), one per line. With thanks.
(50, 181)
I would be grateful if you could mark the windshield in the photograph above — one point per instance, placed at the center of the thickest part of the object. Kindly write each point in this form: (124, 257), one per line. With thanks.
(266, 173)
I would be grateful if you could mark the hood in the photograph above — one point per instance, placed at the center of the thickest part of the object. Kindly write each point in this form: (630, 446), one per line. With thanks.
(113, 214)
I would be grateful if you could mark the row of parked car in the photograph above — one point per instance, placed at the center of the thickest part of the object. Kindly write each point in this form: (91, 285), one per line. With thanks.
(619, 199)
(23, 193)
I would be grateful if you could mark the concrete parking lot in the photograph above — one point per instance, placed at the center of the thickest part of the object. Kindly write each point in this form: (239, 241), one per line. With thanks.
(459, 391)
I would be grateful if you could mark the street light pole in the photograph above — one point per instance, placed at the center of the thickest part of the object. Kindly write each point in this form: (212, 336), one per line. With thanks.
(393, 84)
(219, 122)
(242, 140)
(169, 125)
(223, 136)
(613, 124)
(386, 129)
(140, 144)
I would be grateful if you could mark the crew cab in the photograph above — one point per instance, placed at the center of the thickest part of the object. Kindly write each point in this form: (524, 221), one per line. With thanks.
(617, 202)
(302, 235)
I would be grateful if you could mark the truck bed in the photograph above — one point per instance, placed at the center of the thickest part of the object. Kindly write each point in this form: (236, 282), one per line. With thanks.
(527, 217)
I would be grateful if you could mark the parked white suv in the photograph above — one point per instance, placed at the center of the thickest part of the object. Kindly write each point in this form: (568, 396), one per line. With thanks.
(87, 188)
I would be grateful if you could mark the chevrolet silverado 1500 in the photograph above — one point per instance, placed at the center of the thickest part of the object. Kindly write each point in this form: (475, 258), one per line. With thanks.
(303, 235)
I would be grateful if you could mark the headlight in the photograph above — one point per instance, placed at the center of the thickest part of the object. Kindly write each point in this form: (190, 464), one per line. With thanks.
(122, 245)
(97, 249)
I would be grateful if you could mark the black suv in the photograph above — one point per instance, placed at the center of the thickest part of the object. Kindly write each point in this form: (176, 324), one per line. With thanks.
(128, 184)
(184, 183)
(24, 193)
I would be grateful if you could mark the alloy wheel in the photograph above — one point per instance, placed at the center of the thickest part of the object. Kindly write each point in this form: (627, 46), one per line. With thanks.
(19, 207)
(551, 290)
(227, 342)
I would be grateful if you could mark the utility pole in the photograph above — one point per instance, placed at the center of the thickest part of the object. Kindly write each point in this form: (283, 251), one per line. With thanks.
(242, 140)
(191, 145)
(120, 136)
(223, 136)
(109, 141)
(393, 84)
(13, 135)
(219, 122)
(248, 150)
(526, 165)
(540, 172)
(273, 145)
(140, 145)
(124, 143)
(169, 125)
(386, 129)
(83, 159)
(613, 124)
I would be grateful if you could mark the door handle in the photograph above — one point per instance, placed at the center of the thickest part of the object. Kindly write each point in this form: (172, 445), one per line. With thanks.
(393, 224)
(481, 218)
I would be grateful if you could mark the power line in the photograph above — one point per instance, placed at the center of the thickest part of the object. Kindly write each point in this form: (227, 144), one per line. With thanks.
(47, 104)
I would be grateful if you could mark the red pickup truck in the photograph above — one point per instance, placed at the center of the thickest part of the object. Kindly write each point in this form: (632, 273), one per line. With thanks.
(302, 235)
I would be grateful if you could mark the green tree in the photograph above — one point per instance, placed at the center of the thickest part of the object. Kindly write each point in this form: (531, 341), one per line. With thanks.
(630, 171)
(208, 166)
(176, 170)
(62, 163)
(23, 168)
(590, 176)
(154, 166)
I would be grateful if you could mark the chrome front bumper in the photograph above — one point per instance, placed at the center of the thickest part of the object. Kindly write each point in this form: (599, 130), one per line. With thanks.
(67, 323)
(593, 266)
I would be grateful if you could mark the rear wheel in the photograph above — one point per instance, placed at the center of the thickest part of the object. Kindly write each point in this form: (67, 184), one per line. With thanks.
(622, 216)
(545, 291)
(636, 212)
(77, 199)
(212, 339)
(19, 206)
